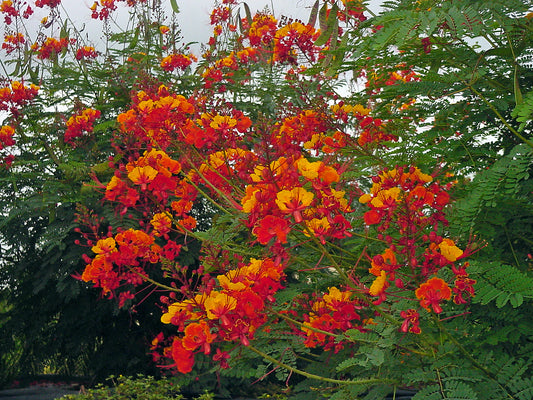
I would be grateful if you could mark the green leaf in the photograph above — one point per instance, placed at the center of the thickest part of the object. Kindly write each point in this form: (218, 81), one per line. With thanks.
(322, 17)
(314, 14)
(135, 39)
(331, 28)
(338, 57)
(174, 5)
(248, 13)
(64, 34)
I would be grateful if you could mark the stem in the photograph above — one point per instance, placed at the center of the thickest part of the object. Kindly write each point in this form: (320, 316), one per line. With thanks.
(474, 362)
(501, 118)
(152, 281)
(318, 377)
(511, 246)
(302, 324)
(230, 201)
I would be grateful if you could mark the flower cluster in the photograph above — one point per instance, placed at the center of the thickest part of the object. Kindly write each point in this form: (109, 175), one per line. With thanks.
(13, 42)
(406, 206)
(15, 96)
(158, 118)
(86, 52)
(277, 201)
(288, 184)
(6, 136)
(230, 308)
(331, 315)
(119, 260)
(49, 3)
(51, 47)
(293, 38)
(80, 124)
(177, 61)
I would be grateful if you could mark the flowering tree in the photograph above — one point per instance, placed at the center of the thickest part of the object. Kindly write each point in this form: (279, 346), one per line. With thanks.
(336, 213)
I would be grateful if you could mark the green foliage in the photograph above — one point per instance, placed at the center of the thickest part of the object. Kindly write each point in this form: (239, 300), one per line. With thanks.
(503, 181)
(471, 116)
(523, 111)
(139, 388)
(501, 283)
(449, 390)
(45, 325)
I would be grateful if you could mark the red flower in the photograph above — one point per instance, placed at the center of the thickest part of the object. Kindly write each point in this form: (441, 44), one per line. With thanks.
(271, 227)
(222, 357)
(411, 321)
(80, 124)
(432, 292)
(86, 52)
(177, 61)
(372, 217)
(50, 48)
(183, 358)
(13, 42)
(49, 3)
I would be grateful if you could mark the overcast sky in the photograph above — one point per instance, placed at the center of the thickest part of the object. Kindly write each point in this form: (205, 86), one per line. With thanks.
(194, 14)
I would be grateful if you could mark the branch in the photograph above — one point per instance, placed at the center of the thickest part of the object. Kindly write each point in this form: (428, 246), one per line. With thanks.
(318, 377)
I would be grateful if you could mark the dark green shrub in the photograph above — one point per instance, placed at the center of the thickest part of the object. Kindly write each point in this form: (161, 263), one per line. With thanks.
(139, 388)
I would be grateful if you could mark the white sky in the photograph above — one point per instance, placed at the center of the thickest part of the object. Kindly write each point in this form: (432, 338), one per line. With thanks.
(194, 14)
(193, 18)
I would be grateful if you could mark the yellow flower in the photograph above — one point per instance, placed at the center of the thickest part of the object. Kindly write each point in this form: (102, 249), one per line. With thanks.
(296, 199)
(249, 200)
(227, 284)
(107, 245)
(308, 169)
(217, 304)
(142, 175)
(379, 284)
(335, 296)
(385, 195)
(449, 250)
(161, 223)
(175, 308)
(222, 121)
(318, 225)
(365, 198)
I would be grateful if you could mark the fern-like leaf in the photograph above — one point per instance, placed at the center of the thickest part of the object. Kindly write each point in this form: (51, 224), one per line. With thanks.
(502, 179)
(501, 283)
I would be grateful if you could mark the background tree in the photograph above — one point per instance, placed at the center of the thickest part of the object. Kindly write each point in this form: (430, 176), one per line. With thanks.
(50, 321)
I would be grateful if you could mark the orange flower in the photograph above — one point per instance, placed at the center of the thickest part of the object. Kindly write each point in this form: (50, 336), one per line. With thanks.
(372, 217)
(96, 269)
(105, 246)
(197, 335)
(142, 175)
(161, 223)
(432, 292)
(183, 358)
(6, 136)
